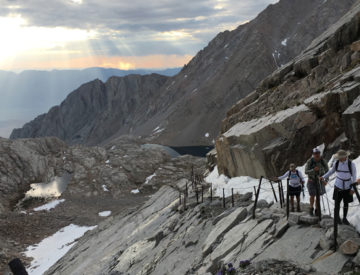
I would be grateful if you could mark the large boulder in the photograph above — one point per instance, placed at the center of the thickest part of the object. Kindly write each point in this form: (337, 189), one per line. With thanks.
(351, 120)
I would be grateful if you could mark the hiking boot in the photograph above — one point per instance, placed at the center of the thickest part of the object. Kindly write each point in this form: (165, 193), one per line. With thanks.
(345, 221)
(316, 212)
(339, 220)
(311, 211)
(298, 209)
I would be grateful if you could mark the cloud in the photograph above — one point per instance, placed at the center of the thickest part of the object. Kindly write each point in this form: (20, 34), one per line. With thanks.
(137, 27)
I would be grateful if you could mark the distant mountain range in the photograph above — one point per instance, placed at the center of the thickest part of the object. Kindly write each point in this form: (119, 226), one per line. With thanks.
(187, 109)
(27, 94)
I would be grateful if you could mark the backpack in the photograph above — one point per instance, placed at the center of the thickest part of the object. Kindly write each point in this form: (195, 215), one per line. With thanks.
(312, 164)
(297, 173)
(349, 164)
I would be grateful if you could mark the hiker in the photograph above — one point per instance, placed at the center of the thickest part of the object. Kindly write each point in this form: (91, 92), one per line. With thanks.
(296, 182)
(345, 171)
(231, 270)
(315, 167)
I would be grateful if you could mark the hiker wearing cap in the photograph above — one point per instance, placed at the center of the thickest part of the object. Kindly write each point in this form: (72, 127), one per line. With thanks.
(345, 171)
(296, 181)
(315, 167)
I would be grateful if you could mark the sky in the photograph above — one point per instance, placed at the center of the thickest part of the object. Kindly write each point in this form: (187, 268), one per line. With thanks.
(62, 34)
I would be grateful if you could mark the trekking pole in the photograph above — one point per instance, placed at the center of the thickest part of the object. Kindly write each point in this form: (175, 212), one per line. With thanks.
(224, 198)
(287, 199)
(272, 187)
(257, 196)
(303, 190)
(232, 197)
(186, 189)
(322, 199)
(197, 195)
(211, 193)
(327, 199)
(318, 204)
(179, 198)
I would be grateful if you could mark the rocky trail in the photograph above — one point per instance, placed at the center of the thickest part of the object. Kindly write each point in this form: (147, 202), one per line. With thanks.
(163, 237)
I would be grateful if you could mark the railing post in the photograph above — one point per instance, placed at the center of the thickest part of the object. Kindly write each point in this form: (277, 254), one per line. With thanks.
(197, 195)
(186, 189)
(257, 196)
(232, 197)
(282, 192)
(179, 198)
(336, 218)
(202, 194)
(287, 199)
(184, 202)
(280, 198)
(318, 203)
(254, 191)
(224, 198)
(272, 187)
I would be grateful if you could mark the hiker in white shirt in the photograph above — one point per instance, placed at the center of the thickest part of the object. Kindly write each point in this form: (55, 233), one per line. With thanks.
(345, 171)
(296, 182)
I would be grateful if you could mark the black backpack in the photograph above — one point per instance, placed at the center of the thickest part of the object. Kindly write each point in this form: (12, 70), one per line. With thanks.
(297, 173)
(349, 164)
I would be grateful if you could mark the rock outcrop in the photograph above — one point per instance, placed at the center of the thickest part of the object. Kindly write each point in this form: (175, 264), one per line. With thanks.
(313, 99)
(187, 109)
(116, 178)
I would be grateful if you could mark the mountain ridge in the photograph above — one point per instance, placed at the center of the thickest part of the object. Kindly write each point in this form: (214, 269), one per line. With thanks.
(190, 106)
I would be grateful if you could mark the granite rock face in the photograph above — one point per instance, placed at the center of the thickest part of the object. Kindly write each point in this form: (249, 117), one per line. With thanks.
(311, 100)
(124, 164)
(187, 109)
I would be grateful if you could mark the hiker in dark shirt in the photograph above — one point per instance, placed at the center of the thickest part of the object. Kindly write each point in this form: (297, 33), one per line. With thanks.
(315, 167)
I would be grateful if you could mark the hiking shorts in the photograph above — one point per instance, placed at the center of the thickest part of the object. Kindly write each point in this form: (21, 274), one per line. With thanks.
(311, 187)
(345, 195)
(294, 191)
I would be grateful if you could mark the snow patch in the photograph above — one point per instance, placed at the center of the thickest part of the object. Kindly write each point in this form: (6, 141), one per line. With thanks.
(244, 185)
(48, 190)
(49, 205)
(135, 191)
(113, 147)
(149, 178)
(195, 90)
(51, 249)
(107, 162)
(284, 42)
(158, 130)
(207, 135)
(104, 187)
(105, 213)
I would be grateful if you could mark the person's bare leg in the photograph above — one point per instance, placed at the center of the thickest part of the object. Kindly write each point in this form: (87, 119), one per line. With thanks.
(292, 203)
(312, 200)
